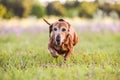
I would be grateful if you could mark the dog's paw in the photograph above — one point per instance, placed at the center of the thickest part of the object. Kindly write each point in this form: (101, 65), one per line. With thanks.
(55, 56)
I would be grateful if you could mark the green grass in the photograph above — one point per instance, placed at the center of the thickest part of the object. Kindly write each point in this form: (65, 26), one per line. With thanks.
(96, 57)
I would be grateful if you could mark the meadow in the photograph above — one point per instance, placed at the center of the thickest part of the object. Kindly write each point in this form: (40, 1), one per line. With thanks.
(24, 55)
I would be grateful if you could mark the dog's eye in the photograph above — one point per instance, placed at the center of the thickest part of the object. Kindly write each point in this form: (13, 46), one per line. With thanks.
(63, 29)
(55, 29)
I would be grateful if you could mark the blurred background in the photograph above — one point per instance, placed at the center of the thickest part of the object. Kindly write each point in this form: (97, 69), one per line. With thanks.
(24, 40)
(63, 8)
(85, 15)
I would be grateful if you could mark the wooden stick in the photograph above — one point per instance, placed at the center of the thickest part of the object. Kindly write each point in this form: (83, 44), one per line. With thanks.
(46, 21)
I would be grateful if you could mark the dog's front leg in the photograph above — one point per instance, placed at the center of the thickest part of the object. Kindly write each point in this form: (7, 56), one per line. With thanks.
(51, 49)
(53, 52)
(68, 54)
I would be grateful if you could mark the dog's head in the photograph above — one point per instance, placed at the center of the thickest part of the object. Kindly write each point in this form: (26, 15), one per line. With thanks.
(59, 30)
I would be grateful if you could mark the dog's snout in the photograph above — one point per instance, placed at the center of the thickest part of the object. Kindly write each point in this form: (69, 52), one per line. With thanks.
(58, 38)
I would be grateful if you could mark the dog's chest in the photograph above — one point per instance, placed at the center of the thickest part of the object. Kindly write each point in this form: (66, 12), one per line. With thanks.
(61, 49)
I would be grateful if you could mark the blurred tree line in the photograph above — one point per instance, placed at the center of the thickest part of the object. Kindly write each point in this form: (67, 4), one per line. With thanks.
(25, 8)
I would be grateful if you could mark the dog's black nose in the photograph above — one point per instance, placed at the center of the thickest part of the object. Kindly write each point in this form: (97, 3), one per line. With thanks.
(58, 39)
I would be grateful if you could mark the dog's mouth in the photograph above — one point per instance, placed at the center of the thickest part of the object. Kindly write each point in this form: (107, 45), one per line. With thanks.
(58, 43)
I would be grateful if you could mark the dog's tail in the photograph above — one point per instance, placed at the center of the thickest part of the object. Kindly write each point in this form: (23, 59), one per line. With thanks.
(46, 21)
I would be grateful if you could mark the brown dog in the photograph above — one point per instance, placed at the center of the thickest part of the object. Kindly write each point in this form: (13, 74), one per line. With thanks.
(62, 38)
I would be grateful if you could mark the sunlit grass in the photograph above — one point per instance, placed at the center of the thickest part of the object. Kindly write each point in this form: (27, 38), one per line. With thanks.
(96, 57)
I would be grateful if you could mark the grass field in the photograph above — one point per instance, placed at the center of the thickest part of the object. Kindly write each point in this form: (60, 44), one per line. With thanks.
(96, 57)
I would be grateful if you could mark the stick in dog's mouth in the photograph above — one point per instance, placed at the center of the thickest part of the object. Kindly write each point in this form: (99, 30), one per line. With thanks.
(46, 21)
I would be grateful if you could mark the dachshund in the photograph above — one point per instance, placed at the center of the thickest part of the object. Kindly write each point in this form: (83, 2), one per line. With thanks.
(62, 38)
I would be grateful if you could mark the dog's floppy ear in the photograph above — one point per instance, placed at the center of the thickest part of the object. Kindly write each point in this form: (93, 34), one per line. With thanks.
(50, 29)
(68, 42)
(51, 40)
(75, 40)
